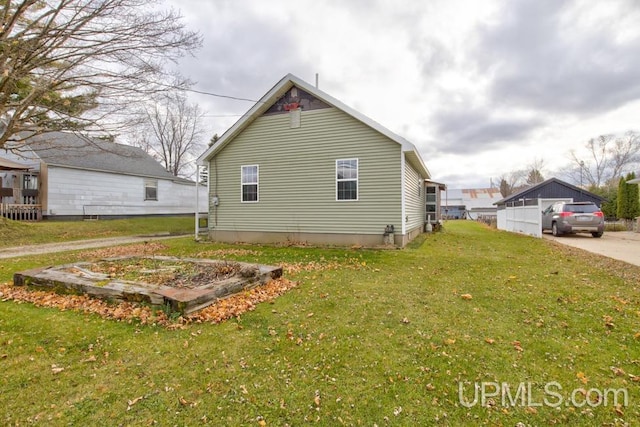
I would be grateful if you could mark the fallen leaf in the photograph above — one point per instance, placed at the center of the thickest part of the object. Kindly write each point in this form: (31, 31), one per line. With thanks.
(466, 296)
(517, 346)
(582, 377)
(132, 402)
(56, 369)
(608, 321)
(316, 398)
(489, 340)
(183, 401)
(618, 371)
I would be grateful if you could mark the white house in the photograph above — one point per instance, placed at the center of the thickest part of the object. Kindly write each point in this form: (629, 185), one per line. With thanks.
(68, 176)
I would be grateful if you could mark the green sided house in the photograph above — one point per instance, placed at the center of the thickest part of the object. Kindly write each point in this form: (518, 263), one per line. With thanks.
(300, 166)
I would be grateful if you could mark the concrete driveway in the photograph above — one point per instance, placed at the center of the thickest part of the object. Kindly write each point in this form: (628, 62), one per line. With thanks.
(622, 245)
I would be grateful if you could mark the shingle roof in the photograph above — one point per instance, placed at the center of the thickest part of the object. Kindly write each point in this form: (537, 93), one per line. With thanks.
(550, 189)
(79, 152)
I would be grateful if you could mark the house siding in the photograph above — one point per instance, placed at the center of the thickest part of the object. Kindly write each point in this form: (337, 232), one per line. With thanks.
(75, 192)
(414, 199)
(297, 177)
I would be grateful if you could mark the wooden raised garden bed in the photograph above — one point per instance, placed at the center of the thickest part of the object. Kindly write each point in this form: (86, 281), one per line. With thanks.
(181, 285)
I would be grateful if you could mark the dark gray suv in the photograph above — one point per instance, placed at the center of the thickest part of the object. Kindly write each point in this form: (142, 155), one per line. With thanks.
(575, 217)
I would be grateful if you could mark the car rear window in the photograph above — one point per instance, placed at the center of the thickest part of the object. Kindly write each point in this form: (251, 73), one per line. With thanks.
(581, 208)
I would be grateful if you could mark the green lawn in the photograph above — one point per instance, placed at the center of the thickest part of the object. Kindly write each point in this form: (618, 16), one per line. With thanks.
(13, 233)
(386, 337)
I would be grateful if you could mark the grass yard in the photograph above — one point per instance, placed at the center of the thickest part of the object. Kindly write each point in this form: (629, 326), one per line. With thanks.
(14, 233)
(369, 337)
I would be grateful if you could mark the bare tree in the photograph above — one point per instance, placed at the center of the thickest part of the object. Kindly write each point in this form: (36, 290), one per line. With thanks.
(511, 182)
(174, 132)
(71, 64)
(606, 158)
(535, 172)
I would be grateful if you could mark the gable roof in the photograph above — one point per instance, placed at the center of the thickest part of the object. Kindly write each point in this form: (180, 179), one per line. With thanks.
(75, 151)
(549, 189)
(286, 83)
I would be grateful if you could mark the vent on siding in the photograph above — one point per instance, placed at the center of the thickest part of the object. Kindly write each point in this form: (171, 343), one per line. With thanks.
(294, 117)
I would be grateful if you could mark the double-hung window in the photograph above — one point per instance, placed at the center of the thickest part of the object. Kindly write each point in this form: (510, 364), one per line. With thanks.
(151, 189)
(347, 179)
(249, 184)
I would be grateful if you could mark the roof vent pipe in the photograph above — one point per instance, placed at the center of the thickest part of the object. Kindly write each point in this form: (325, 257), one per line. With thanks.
(317, 80)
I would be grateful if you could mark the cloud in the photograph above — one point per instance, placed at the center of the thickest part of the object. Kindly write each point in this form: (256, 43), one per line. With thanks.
(245, 52)
(472, 131)
(469, 83)
(565, 57)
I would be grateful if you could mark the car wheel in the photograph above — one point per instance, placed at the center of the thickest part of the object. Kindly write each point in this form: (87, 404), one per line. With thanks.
(554, 230)
(597, 234)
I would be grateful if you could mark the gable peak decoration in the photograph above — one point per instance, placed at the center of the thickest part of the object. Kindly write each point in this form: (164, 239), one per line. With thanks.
(296, 99)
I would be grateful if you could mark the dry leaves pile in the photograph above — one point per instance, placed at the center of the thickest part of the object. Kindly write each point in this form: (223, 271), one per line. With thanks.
(148, 248)
(297, 267)
(223, 253)
(220, 311)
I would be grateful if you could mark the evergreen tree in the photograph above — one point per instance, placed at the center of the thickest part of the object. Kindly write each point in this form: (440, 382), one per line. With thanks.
(610, 204)
(633, 197)
(628, 198)
(622, 198)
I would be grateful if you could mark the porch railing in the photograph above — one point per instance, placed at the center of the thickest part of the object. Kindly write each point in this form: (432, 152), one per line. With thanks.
(18, 212)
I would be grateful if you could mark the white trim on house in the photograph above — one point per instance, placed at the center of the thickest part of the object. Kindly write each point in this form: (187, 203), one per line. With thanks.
(242, 183)
(357, 180)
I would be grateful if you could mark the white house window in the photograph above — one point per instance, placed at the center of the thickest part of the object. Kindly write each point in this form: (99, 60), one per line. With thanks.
(151, 189)
(250, 183)
(347, 179)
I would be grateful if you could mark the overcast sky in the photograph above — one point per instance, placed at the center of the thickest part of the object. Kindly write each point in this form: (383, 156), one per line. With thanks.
(480, 87)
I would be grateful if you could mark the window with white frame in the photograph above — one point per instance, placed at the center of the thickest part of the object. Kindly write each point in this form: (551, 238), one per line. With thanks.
(249, 184)
(347, 179)
(151, 189)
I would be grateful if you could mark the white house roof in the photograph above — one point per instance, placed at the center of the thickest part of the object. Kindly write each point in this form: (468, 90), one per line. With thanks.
(473, 198)
(65, 149)
(287, 82)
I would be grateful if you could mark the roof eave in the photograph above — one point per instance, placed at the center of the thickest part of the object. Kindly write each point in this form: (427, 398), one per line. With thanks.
(258, 108)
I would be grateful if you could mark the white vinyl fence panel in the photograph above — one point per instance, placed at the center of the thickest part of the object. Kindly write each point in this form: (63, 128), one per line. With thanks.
(525, 216)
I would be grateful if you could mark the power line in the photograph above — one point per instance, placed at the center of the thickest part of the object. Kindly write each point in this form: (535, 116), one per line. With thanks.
(217, 95)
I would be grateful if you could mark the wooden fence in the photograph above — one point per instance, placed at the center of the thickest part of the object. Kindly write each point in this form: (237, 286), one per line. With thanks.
(17, 212)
